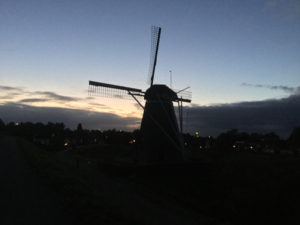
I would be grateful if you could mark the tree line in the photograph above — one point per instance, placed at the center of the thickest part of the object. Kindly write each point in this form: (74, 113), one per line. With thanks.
(57, 136)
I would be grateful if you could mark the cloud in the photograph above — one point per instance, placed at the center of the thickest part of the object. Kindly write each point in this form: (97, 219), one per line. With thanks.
(98, 105)
(22, 96)
(291, 90)
(279, 116)
(90, 98)
(54, 96)
(9, 92)
(9, 88)
(10, 95)
(47, 94)
(32, 100)
(70, 117)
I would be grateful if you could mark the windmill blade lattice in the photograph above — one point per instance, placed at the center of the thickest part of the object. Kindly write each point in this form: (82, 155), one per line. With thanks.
(155, 37)
(112, 91)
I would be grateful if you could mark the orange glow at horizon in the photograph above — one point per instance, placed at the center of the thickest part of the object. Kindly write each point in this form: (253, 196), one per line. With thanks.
(123, 108)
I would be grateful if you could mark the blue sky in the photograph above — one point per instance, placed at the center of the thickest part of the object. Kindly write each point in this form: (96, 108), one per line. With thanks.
(212, 46)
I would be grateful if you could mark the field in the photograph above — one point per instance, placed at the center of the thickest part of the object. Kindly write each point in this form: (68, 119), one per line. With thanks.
(103, 183)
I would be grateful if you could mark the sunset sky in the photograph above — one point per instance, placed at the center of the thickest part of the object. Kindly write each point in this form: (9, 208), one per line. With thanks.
(229, 52)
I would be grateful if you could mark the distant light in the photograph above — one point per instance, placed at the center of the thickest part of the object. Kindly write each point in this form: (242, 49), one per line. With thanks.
(132, 141)
(120, 130)
(66, 144)
(17, 124)
(209, 137)
(201, 147)
(233, 146)
(251, 147)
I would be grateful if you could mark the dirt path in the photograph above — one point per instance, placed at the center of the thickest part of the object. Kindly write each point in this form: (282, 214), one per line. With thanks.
(24, 200)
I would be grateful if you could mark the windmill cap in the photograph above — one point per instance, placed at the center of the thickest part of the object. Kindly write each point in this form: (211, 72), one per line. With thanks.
(160, 92)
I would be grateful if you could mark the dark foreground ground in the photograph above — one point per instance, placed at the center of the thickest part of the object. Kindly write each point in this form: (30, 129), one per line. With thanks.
(236, 188)
(38, 187)
(24, 198)
(99, 184)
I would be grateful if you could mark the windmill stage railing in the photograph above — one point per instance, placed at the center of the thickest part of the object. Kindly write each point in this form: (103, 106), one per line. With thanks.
(185, 96)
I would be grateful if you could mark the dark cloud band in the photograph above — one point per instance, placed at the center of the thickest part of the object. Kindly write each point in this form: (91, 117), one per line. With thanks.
(291, 90)
(279, 116)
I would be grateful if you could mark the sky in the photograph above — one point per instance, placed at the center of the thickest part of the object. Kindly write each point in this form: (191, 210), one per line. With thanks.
(229, 52)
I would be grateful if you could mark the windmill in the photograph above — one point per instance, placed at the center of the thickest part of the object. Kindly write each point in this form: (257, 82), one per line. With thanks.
(161, 139)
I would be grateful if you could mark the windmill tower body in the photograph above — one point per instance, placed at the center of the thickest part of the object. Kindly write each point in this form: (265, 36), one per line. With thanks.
(160, 137)
(161, 140)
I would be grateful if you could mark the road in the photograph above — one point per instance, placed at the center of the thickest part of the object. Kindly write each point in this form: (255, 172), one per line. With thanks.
(24, 199)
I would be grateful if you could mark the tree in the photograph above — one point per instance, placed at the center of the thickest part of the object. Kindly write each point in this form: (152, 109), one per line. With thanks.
(294, 140)
(2, 126)
(79, 127)
(79, 134)
(225, 141)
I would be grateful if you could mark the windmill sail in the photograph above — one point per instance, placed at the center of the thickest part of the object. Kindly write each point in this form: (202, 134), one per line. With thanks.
(155, 37)
(112, 91)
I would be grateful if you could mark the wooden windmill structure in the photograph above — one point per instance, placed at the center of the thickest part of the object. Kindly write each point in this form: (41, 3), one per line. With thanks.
(161, 139)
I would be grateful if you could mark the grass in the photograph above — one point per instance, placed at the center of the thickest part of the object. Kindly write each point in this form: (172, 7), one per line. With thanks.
(76, 189)
(239, 188)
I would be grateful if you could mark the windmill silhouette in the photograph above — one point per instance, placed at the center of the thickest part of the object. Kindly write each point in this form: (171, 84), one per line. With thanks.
(161, 139)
